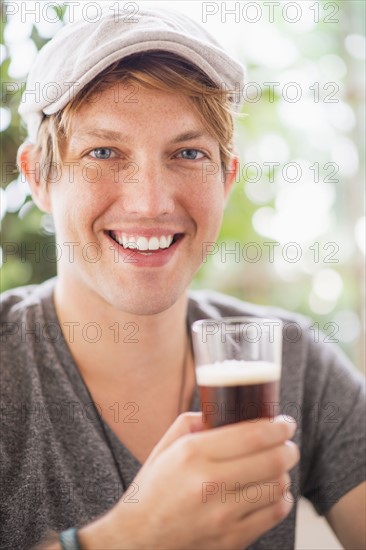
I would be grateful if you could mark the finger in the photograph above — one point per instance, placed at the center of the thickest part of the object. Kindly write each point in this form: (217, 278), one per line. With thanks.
(263, 466)
(184, 424)
(236, 500)
(257, 523)
(242, 439)
(243, 507)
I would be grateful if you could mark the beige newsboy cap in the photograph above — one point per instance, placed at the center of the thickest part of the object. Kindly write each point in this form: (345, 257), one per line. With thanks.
(81, 50)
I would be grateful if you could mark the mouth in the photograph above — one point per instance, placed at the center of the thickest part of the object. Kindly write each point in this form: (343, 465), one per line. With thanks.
(142, 245)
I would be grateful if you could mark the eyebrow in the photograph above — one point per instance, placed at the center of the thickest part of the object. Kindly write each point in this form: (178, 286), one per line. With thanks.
(188, 136)
(107, 134)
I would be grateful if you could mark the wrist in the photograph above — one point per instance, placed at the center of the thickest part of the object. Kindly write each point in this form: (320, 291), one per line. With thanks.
(97, 534)
(105, 532)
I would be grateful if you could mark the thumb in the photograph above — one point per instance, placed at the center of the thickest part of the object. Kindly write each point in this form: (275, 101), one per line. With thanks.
(184, 424)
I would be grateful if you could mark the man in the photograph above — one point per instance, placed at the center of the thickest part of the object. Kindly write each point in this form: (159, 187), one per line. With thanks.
(133, 157)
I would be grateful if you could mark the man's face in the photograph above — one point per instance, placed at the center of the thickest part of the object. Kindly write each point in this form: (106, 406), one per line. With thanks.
(138, 169)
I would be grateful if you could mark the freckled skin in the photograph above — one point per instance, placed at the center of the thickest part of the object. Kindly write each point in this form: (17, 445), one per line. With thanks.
(146, 183)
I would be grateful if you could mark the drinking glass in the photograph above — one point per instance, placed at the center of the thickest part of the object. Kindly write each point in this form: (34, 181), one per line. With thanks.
(238, 368)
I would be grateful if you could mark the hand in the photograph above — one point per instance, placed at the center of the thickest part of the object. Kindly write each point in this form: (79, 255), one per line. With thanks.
(185, 489)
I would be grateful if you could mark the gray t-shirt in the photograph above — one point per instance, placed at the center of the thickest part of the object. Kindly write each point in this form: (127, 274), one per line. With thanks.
(57, 469)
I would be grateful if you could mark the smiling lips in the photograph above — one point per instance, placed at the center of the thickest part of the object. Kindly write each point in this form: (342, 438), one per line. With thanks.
(142, 243)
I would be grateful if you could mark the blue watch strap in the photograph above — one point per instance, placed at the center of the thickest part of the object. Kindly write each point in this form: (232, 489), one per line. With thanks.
(69, 539)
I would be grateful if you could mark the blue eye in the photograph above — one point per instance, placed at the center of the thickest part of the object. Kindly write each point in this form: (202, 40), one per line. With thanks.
(101, 153)
(191, 154)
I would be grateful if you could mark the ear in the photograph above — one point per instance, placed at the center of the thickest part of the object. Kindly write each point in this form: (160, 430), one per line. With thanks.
(28, 160)
(230, 176)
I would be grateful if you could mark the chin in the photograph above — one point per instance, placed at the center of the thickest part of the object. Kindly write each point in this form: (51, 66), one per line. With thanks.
(142, 303)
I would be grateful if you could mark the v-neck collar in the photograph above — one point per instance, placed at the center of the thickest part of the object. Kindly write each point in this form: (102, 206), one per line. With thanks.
(127, 461)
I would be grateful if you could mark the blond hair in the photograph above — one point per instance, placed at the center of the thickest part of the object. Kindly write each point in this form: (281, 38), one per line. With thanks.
(157, 70)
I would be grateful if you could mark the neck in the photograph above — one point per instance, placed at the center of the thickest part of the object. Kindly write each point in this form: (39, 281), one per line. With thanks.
(109, 343)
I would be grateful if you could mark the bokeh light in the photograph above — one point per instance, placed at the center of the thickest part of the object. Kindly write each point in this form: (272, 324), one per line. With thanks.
(5, 118)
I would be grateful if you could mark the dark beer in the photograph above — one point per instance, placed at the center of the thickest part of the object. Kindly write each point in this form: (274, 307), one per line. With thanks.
(233, 391)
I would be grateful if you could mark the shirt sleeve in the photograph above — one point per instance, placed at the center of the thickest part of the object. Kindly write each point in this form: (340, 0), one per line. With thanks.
(333, 426)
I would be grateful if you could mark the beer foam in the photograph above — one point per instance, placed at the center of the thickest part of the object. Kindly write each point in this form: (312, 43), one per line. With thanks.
(237, 373)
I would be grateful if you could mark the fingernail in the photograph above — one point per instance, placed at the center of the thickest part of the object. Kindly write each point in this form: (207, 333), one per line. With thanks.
(292, 427)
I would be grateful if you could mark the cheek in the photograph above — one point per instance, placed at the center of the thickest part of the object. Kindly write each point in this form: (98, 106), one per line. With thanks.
(77, 204)
(208, 206)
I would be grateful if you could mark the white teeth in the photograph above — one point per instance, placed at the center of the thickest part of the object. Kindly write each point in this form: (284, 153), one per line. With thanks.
(154, 243)
(142, 243)
(163, 242)
(168, 240)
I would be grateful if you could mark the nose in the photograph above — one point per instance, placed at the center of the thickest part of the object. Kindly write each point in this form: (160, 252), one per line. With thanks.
(147, 190)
